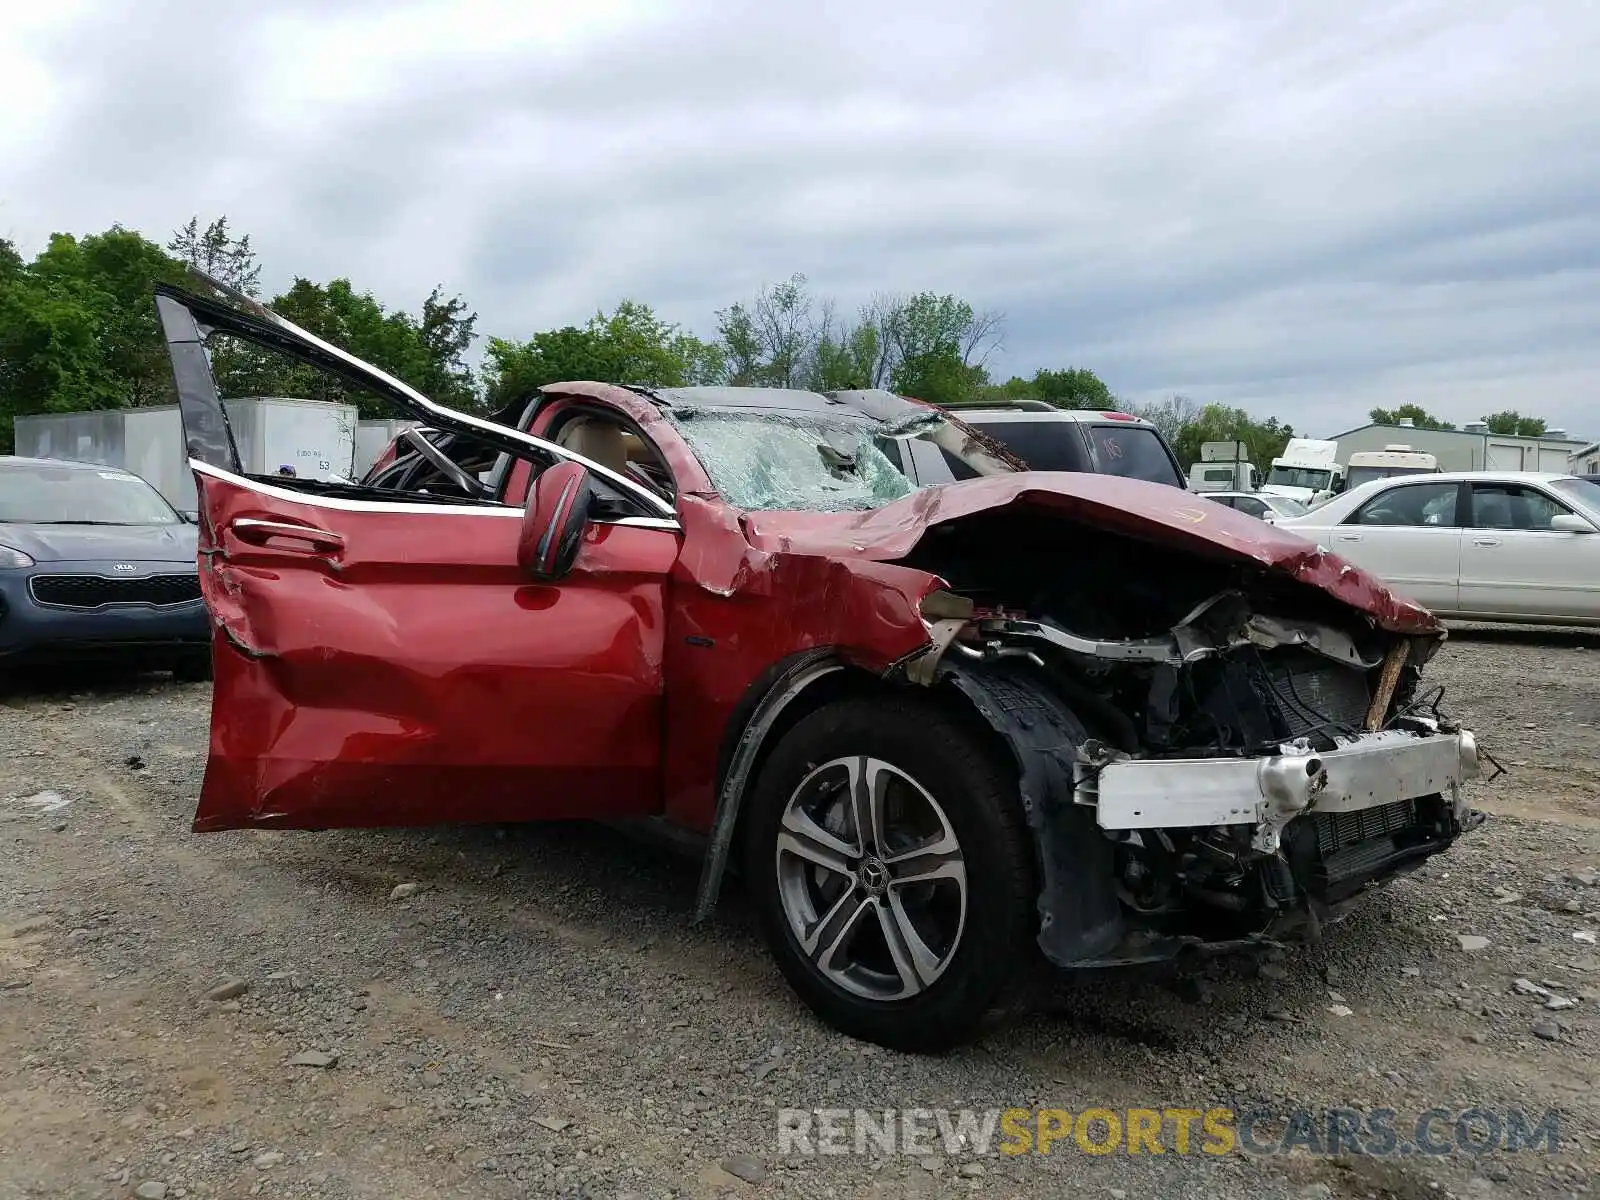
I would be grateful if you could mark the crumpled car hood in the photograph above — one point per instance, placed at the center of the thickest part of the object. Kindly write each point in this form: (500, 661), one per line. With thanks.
(93, 543)
(1151, 512)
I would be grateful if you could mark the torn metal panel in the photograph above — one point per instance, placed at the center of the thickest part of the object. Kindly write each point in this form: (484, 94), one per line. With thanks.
(735, 610)
(1149, 513)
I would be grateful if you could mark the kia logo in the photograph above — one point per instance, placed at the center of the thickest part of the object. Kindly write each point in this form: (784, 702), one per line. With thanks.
(123, 567)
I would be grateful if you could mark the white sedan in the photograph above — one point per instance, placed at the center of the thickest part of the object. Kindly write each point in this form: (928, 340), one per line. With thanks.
(1264, 506)
(1473, 545)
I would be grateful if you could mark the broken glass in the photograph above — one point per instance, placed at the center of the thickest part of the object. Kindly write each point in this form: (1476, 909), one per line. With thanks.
(786, 461)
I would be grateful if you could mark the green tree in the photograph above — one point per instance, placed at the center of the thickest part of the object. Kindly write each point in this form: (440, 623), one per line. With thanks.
(1074, 387)
(1218, 423)
(938, 345)
(937, 376)
(10, 261)
(846, 358)
(50, 352)
(1418, 415)
(927, 344)
(1514, 423)
(1171, 416)
(631, 345)
(218, 253)
(447, 330)
(771, 340)
(355, 321)
(111, 276)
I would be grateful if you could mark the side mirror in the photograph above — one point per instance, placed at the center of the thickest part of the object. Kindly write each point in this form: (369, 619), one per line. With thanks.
(1570, 523)
(554, 521)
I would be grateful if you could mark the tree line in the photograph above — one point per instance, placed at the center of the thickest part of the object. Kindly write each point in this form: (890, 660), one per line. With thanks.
(78, 331)
(1508, 422)
(78, 328)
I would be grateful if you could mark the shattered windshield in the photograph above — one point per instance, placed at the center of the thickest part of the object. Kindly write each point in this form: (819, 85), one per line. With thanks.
(766, 461)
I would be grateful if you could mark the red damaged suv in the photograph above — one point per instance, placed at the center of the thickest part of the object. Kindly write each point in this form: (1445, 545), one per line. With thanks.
(940, 730)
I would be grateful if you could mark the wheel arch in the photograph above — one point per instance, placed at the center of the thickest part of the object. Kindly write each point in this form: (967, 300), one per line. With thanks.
(1025, 724)
(786, 692)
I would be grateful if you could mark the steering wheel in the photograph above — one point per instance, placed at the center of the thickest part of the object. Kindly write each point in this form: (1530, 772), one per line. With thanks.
(467, 483)
(650, 477)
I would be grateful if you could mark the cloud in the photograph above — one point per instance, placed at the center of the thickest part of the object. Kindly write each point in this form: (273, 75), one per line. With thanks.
(1303, 210)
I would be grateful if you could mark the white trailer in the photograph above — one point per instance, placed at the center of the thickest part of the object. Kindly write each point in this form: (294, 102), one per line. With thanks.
(315, 438)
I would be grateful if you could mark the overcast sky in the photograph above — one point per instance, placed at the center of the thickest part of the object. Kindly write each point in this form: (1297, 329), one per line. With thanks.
(1303, 208)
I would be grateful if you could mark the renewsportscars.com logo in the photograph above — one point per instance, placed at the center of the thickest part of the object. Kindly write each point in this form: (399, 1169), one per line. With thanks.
(1215, 1131)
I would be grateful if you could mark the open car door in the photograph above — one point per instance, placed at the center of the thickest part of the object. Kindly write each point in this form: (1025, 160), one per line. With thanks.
(382, 658)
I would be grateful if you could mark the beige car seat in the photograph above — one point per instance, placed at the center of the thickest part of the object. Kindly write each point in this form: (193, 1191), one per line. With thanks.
(598, 441)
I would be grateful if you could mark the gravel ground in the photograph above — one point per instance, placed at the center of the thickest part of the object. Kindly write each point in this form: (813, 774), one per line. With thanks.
(258, 1014)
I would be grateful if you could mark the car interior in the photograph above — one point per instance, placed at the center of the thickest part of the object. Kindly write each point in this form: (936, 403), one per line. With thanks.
(606, 439)
(1511, 507)
(1423, 504)
(472, 470)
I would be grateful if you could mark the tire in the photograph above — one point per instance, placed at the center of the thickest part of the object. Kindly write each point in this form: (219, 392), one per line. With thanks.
(193, 668)
(975, 922)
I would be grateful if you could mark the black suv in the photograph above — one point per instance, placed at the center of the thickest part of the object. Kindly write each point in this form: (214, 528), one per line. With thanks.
(1050, 439)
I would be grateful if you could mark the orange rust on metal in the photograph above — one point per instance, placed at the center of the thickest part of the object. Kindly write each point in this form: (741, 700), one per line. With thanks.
(1393, 662)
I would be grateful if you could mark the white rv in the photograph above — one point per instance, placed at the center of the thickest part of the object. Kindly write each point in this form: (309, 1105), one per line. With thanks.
(1366, 465)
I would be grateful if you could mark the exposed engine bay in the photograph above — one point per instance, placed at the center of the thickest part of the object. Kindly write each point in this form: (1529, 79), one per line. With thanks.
(1221, 753)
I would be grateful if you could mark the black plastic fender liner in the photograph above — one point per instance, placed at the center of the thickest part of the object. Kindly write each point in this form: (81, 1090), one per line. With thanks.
(1080, 917)
(803, 670)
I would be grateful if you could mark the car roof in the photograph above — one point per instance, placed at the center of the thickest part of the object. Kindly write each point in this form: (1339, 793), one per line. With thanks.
(1475, 476)
(17, 460)
(1082, 415)
(873, 404)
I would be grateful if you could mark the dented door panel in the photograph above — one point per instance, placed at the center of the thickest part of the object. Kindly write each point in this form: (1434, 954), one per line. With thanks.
(395, 668)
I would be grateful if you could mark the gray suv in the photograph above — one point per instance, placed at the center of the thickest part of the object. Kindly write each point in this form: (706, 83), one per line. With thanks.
(1049, 439)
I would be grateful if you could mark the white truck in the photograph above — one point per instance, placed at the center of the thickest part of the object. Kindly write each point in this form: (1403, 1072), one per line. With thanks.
(1224, 467)
(1366, 465)
(1306, 471)
(314, 438)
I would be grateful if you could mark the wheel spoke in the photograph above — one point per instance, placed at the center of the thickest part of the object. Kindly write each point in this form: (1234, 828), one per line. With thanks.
(821, 943)
(869, 780)
(927, 866)
(804, 838)
(914, 962)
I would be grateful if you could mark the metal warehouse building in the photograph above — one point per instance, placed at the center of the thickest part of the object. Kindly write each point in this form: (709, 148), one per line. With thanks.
(1472, 448)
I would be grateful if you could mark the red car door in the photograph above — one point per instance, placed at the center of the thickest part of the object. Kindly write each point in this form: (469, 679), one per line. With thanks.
(389, 664)
(380, 657)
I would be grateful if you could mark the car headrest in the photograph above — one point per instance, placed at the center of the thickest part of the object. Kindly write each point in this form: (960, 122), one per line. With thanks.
(599, 441)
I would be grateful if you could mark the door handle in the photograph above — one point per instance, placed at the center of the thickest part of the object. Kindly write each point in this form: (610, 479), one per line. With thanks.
(1348, 537)
(258, 533)
(1485, 541)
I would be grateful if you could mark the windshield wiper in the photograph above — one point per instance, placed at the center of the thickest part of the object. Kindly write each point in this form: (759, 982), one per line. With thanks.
(80, 522)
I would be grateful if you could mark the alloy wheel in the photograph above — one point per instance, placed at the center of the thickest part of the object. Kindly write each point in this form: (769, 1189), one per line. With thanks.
(871, 878)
